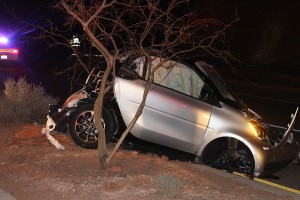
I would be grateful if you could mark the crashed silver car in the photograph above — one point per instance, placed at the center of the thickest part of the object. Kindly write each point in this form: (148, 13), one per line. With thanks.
(189, 108)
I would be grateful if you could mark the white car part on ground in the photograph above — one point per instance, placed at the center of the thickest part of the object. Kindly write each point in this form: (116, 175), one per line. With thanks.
(50, 125)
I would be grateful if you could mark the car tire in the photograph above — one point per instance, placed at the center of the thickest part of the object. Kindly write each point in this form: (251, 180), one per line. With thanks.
(82, 128)
(218, 155)
(241, 161)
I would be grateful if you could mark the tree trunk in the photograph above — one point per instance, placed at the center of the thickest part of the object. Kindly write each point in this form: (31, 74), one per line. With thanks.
(102, 148)
(132, 123)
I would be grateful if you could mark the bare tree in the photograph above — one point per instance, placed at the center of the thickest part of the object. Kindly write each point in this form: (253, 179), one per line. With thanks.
(142, 26)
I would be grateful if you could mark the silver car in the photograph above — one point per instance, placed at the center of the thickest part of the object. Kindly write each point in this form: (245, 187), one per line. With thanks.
(189, 108)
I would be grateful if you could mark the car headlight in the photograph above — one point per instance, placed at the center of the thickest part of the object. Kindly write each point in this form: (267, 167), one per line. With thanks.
(258, 131)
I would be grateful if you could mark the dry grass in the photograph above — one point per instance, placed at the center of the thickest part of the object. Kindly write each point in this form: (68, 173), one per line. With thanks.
(169, 186)
(23, 101)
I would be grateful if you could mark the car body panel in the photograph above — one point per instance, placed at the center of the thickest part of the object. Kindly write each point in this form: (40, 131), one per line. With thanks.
(75, 98)
(237, 126)
(169, 119)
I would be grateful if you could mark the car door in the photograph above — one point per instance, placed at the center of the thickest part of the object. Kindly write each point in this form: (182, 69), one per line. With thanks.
(173, 115)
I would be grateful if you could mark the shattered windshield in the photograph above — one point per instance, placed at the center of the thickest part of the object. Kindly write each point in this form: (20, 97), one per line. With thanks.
(214, 76)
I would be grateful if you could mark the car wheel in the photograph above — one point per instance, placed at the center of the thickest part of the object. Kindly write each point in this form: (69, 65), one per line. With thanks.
(238, 159)
(231, 155)
(82, 127)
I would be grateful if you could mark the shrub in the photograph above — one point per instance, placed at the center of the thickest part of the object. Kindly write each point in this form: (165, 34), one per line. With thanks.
(23, 101)
(169, 186)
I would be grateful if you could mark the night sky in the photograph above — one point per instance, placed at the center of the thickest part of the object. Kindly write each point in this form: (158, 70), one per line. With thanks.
(266, 34)
(27, 11)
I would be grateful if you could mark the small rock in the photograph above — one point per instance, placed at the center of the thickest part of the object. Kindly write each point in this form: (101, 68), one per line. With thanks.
(165, 158)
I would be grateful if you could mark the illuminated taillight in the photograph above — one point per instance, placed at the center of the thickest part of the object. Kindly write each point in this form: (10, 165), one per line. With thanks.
(14, 51)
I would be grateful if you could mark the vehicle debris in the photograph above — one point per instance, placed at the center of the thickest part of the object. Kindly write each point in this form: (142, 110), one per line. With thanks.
(49, 127)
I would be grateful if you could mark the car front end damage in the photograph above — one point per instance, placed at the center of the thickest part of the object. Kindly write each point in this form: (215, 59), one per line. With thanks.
(252, 147)
(276, 149)
(236, 138)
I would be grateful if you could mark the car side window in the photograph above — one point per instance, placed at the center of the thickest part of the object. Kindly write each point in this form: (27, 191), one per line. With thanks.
(178, 77)
(132, 67)
(173, 75)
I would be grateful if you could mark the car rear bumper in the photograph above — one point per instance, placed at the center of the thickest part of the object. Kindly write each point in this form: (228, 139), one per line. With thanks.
(58, 118)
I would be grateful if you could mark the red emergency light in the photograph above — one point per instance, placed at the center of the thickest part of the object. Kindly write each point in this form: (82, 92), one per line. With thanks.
(9, 51)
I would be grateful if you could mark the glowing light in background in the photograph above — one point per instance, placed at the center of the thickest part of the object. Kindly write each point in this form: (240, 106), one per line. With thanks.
(3, 40)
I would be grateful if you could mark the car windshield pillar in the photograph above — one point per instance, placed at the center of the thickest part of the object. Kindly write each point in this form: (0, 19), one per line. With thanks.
(218, 82)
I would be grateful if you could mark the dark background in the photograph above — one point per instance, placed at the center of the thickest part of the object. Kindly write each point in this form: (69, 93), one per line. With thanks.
(267, 32)
(265, 35)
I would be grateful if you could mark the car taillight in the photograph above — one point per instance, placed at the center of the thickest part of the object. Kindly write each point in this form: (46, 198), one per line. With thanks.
(15, 51)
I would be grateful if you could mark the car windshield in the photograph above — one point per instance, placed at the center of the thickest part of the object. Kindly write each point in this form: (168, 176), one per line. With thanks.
(214, 76)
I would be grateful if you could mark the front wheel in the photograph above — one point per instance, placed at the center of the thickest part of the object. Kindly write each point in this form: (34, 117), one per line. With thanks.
(82, 127)
(231, 155)
(237, 157)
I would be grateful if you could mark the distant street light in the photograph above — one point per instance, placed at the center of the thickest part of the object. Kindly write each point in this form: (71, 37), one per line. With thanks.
(75, 41)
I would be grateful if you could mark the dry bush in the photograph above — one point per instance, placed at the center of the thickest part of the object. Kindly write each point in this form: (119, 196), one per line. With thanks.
(169, 186)
(23, 101)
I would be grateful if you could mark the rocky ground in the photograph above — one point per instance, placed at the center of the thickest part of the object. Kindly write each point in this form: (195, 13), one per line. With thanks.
(31, 168)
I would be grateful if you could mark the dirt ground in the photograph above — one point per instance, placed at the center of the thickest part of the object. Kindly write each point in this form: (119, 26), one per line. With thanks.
(31, 168)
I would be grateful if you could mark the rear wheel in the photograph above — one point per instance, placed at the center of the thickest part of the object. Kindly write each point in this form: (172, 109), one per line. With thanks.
(82, 127)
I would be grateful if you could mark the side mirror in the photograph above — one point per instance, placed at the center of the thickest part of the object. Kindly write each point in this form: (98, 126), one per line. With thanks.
(204, 94)
(128, 74)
